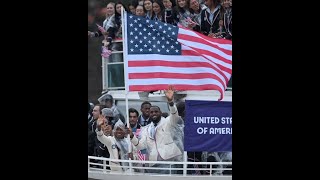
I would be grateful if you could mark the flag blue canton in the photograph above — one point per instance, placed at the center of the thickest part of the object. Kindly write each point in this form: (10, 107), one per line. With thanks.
(151, 37)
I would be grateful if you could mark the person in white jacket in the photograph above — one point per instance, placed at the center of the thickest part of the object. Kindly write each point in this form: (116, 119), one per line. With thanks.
(118, 144)
(157, 138)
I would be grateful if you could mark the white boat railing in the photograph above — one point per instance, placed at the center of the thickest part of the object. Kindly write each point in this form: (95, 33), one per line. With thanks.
(137, 167)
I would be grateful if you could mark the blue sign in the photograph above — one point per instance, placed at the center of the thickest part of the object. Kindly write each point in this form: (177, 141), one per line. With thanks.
(208, 126)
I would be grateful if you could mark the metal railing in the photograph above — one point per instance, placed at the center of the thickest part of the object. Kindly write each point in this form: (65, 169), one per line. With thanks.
(172, 168)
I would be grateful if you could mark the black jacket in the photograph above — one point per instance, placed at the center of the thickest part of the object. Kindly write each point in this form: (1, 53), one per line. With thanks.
(91, 142)
(206, 26)
(170, 16)
(143, 123)
(227, 22)
(99, 149)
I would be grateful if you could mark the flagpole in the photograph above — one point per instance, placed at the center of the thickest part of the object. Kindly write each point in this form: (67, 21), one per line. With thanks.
(125, 51)
(124, 47)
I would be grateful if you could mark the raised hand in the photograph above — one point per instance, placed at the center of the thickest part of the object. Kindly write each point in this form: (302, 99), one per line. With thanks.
(101, 121)
(169, 93)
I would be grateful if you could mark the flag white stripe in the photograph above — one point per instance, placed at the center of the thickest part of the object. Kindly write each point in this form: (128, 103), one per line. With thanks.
(190, 33)
(215, 60)
(184, 70)
(222, 64)
(205, 47)
(164, 69)
(170, 58)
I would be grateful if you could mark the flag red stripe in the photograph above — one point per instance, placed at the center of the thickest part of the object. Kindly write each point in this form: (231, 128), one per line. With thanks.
(216, 40)
(175, 75)
(153, 87)
(175, 64)
(209, 53)
(195, 53)
(171, 75)
(141, 156)
(145, 63)
(142, 63)
(198, 40)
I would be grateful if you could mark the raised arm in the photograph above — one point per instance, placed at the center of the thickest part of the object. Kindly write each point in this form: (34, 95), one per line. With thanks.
(100, 135)
(174, 115)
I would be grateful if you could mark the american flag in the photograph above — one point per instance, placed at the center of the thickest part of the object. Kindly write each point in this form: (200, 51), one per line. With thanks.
(157, 54)
(141, 157)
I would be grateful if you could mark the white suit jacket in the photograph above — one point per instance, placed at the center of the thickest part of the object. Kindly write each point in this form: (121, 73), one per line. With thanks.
(110, 142)
(163, 143)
